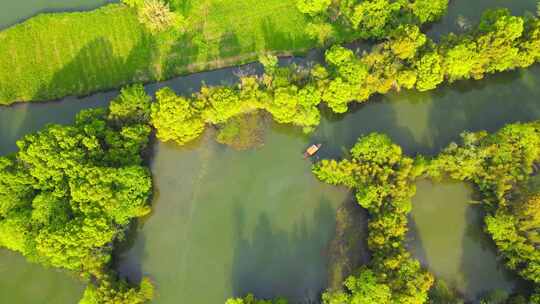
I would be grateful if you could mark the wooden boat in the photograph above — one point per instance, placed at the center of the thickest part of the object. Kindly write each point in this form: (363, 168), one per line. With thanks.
(312, 150)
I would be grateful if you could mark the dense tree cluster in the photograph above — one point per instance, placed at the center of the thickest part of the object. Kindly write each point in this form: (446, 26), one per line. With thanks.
(499, 165)
(383, 179)
(70, 191)
(369, 18)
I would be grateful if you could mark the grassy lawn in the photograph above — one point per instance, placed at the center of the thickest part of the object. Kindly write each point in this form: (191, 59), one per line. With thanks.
(54, 55)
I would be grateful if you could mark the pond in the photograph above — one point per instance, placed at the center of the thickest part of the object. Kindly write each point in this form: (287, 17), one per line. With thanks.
(446, 235)
(228, 222)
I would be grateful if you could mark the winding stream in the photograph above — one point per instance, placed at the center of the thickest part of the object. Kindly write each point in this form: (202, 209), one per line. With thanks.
(228, 222)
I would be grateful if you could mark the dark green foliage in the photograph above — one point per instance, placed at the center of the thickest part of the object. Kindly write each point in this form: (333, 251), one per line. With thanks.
(70, 191)
(383, 180)
(440, 293)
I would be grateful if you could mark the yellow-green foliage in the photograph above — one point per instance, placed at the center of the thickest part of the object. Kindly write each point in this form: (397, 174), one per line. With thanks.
(182, 119)
(112, 291)
(157, 16)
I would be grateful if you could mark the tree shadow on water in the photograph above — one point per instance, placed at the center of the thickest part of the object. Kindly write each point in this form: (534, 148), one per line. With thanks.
(128, 254)
(483, 271)
(270, 261)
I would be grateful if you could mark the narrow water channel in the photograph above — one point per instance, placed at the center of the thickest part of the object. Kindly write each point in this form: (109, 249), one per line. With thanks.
(228, 222)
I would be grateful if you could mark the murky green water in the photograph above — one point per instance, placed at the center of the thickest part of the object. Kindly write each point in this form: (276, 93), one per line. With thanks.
(13, 11)
(22, 282)
(228, 222)
(446, 235)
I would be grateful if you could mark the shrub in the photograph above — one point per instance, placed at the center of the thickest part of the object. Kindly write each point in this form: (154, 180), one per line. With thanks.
(157, 16)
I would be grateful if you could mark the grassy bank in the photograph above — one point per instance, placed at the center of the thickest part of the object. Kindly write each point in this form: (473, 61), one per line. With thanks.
(54, 55)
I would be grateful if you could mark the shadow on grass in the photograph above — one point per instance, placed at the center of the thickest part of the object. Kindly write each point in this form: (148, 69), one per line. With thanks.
(97, 67)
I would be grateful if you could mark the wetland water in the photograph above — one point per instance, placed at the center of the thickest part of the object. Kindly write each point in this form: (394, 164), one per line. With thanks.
(228, 222)
(446, 235)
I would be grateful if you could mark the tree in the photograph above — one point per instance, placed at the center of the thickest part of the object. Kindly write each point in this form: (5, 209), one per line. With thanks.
(383, 180)
(112, 291)
(429, 71)
(429, 10)
(406, 40)
(176, 118)
(157, 16)
(313, 7)
(320, 31)
(132, 104)
(371, 17)
(361, 289)
(460, 59)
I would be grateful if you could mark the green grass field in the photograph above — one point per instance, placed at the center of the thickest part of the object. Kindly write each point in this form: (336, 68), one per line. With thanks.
(54, 55)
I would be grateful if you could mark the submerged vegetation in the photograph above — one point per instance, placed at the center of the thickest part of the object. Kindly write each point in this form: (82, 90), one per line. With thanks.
(70, 192)
(243, 132)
